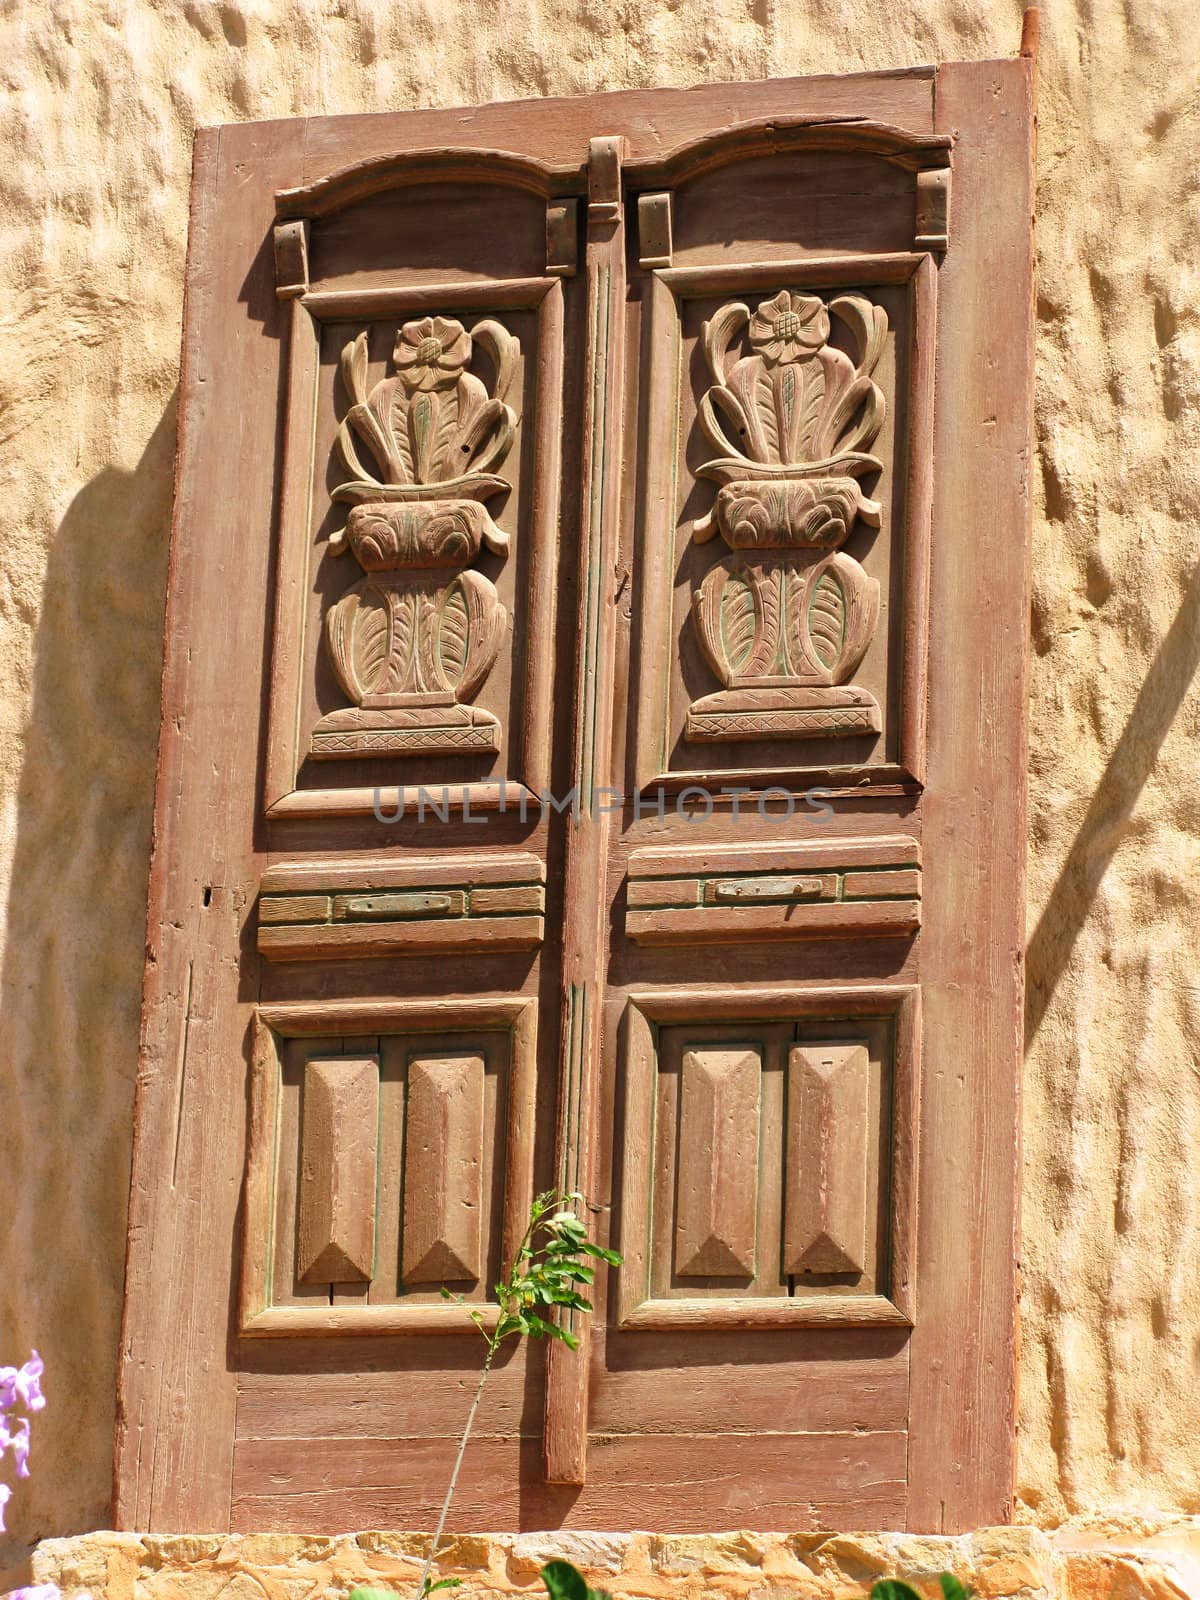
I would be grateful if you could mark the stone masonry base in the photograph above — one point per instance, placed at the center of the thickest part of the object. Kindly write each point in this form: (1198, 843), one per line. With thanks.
(1118, 1561)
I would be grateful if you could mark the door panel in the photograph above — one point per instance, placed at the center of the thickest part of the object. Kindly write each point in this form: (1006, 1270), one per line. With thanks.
(412, 627)
(769, 1163)
(591, 757)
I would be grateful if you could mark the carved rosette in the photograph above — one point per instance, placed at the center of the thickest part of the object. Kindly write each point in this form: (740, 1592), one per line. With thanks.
(414, 639)
(785, 620)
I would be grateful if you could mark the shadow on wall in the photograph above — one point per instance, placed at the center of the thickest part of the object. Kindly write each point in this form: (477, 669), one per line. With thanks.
(1103, 827)
(70, 990)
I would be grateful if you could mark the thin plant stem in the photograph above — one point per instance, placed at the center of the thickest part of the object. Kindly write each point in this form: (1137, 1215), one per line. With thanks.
(493, 1346)
(510, 1321)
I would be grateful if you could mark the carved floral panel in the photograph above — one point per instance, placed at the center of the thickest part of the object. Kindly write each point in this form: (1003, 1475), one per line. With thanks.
(412, 640)
(776, 524)
(785, 619)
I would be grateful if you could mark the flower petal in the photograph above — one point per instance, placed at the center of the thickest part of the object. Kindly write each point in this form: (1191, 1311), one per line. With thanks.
(20, 1448)
(814, 321)
(414, 332)
(446, 330)
(5, 1497)
(29, 1383)
(456, 354)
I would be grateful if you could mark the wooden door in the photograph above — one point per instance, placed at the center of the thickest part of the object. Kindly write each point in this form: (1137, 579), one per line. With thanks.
(592, 754)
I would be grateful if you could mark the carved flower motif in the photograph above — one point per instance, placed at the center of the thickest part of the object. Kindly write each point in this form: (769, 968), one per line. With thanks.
(431, 353)
(789, 327)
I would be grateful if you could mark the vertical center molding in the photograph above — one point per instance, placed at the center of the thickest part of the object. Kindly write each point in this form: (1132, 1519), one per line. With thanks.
(584, 942)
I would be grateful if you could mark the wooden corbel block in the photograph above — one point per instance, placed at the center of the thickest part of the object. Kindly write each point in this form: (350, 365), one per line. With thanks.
(562, 238)
(933, 209)
(604, 178)
(654, 230)
(291, 259)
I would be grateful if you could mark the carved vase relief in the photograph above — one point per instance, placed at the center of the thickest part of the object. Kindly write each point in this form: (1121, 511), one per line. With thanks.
(785, 620)
(412, 641)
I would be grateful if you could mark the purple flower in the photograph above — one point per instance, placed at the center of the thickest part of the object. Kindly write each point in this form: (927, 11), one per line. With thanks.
(5, 1497)
(17, 1442)
(23, 1384)
(20, 1447)
(41, 1591)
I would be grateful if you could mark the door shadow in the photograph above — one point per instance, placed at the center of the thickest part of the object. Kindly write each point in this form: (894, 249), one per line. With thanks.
(70, 985)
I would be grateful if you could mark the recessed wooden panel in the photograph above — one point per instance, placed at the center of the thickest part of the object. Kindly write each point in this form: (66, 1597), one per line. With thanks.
(418, 527)
(785, 518)
(767, 1175)
(851, 203)
(717, 1193)
(338, 1146)
(366, 1192)
(443, 1169)
(338, 910)
(829, 1158)
(804, 1482)
(836, 888)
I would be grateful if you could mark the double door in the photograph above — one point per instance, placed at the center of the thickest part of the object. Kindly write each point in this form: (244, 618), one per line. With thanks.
(592, 759)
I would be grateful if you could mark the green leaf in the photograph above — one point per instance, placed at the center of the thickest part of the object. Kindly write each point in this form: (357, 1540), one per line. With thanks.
(952, 1589)
(564, 1582)
(372, 1594)
(893, 1589)
(442, 1583)
(567, 1224)
(444, 1292)
(611, 1256)
(566, 1297)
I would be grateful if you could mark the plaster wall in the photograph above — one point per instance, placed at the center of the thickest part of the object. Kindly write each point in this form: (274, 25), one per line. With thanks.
(99, 103)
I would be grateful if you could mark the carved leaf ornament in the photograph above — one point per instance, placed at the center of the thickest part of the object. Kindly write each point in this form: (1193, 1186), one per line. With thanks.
(413, 641)
(789, 616)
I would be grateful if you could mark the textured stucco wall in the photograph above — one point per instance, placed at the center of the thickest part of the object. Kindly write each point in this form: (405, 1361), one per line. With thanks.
(100, 100)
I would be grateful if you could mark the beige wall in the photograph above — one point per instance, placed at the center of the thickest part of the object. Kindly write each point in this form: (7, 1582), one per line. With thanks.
(99, 106)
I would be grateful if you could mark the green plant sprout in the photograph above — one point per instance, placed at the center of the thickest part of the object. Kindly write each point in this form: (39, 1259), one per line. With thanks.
(895, 1589)
(565, 1582)
(543, 1284)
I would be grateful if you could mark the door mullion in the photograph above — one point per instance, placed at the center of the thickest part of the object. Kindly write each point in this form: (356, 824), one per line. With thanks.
(585, 943)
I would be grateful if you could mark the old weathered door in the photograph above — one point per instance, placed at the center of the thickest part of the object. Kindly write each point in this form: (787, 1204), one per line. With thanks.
(592, 755)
